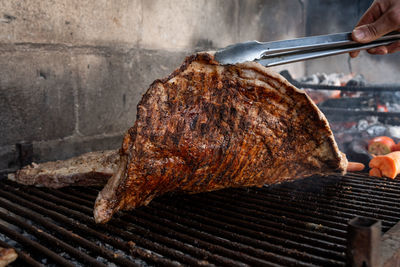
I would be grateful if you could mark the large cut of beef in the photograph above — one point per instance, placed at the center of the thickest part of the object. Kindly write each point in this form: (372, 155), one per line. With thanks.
(209, 126)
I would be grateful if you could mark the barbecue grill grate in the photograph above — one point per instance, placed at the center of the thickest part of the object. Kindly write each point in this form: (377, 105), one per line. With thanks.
(300, 223)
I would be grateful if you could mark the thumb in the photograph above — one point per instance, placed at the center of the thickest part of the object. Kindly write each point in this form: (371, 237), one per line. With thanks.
(365, 33)
(372, 31)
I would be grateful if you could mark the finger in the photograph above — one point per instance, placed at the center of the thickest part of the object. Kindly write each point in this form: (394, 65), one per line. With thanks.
(388, 22)
(392, 48)
(354, 54)
(380, 50)
(372, 14)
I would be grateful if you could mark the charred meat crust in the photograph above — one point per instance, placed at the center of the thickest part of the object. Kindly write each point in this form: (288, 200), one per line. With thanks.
(207, 127)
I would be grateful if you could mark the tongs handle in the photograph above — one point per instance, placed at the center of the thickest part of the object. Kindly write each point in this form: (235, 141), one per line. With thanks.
(296, 56)
(318, 42)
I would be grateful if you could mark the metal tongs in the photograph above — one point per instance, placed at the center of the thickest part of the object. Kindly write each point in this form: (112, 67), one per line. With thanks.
(289, 51)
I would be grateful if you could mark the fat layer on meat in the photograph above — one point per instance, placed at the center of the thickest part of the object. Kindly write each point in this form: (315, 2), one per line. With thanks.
(209, 126)
(89, 169)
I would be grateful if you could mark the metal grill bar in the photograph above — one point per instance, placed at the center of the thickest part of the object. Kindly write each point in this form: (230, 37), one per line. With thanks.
(334, 222)
(214, 248)
(177, 235)
(61, 231)
(203, 222)
(353, 195)
(365, 178)
(290, 248)
(47, 238)
(178, 222)
(367, 184)
(67, 235)
(286, 242)
(156, 228)
(361, 190)
(355, 203)
(89, 220)
(362, 201)
(22, 255)
(272, 246)
(351, 188)
(143, 232)
(315, 238)
(348, 208)
(275, 228)
(324, 208)
(300, 223)
(215, 237)
(290, 217)
(35, 246)
(348, 197)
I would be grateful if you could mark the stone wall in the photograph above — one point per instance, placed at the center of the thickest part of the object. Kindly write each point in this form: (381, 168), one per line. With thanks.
(72, 71)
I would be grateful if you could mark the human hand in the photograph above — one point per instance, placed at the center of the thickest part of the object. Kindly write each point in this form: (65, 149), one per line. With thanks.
(382, 17)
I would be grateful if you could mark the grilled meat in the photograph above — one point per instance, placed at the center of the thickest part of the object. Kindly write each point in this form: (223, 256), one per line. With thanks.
(209, 126)
(7, 255)
(93, 168)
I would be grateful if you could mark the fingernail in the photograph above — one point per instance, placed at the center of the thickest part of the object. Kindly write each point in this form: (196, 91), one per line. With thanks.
(381, 51)
(373, 50)
(358, 34)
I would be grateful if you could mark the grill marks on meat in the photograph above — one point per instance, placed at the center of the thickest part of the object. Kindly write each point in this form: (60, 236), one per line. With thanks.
(208, 127)
(89, 169)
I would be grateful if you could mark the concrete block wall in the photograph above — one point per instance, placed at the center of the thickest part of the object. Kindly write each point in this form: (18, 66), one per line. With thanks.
(72, 71)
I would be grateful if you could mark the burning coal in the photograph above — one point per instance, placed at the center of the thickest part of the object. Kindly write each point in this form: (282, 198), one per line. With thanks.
(355, 116)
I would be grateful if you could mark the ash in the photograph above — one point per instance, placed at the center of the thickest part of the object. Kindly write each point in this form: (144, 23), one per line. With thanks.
(9, 241)
(118, 252)
(336, 79)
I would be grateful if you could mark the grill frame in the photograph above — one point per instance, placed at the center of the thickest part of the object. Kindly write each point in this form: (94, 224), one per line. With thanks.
(337, 114)
(233, 227)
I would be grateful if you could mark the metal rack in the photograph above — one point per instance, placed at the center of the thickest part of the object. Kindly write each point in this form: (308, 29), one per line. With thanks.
(301, 223)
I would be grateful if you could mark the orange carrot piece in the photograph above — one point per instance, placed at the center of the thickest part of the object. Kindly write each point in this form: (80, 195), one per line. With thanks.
(355, 167)
(388, 164)
(375, 172)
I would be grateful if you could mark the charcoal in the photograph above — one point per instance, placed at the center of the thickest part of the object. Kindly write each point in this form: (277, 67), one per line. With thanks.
(357, 151)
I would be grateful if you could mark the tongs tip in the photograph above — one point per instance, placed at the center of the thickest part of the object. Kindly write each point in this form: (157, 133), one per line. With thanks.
(239, 53)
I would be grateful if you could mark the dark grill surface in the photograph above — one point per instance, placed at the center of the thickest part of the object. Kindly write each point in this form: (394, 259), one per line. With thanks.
(300, 223)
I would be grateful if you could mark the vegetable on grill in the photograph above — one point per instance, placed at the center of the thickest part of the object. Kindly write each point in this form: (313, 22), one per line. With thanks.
(355, 167)
(388, 164)
(381, 145)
